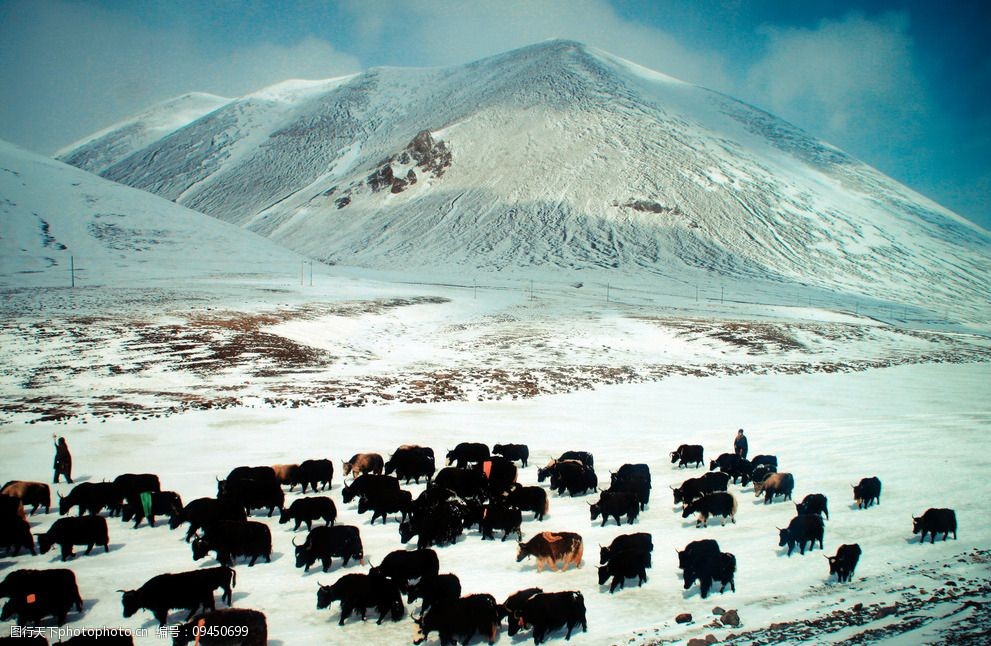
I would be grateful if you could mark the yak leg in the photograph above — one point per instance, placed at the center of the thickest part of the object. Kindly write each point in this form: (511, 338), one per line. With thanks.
(704, 584)
(162, 614)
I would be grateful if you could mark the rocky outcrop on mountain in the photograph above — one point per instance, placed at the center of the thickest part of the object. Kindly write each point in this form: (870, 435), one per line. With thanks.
(432, 156)
(422, 152)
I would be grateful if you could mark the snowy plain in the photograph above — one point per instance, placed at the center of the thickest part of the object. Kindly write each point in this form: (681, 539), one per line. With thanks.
(924, 430)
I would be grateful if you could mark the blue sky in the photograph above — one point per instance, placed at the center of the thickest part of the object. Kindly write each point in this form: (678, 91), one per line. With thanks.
(904, 86)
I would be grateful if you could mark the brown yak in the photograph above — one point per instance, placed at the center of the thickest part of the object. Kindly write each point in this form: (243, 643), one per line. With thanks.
(775, 484)
(364, 463)
(550, 548)
(36, 494)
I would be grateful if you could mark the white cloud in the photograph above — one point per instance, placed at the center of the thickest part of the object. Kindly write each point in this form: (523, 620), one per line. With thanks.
(71, 69)
(844, 81)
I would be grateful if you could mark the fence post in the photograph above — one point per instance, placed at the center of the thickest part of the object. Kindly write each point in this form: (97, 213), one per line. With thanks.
(72, 270)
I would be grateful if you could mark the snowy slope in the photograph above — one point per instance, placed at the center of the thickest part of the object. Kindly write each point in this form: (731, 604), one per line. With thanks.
(562, 160)
(53, 215)
(100, 150)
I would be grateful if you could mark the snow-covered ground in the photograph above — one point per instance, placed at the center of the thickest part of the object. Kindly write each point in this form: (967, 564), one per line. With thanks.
(923, 429)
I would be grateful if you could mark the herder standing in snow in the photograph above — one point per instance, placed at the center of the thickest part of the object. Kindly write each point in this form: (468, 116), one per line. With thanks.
(740, 444)
(63, 461)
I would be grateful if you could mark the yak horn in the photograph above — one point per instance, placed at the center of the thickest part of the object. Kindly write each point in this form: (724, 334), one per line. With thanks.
(60, 494)
(294, 542)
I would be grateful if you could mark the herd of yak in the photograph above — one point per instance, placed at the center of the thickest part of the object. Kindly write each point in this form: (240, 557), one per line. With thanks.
(478, 488)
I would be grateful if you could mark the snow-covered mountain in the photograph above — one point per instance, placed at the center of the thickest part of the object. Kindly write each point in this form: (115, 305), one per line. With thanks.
(52, 215)
(565, 158)
(105, 148)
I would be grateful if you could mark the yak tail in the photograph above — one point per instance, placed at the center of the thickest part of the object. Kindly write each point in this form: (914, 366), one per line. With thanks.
(547, 503)
(233, 578)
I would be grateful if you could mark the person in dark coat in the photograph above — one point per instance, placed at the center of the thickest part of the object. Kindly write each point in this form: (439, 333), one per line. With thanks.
(740, 444)
(63, 461)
